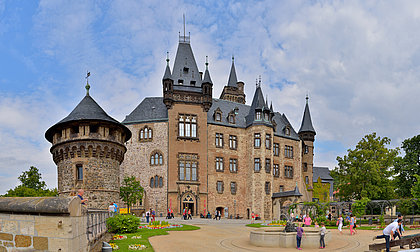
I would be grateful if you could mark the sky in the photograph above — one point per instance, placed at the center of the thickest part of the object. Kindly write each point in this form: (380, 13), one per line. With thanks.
(359, 62)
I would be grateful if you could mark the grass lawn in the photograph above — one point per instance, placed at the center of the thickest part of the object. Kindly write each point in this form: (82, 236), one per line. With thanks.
(145, 234)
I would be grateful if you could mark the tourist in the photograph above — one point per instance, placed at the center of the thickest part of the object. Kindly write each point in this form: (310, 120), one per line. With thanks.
(352, 224)
(184, 214)
(400, 230)
(252, 217)
(307, 221)
(148, 216)
(189, 214)
(208, 215)
(219, 214)
(80, 193)
(388, 233)
(316, 224)
(172, 213)
(299, 233)
(322, 236)
(215, 215)
(111, 208)
(153, 215)
(340, 224)
(168, 214)
(115, 208)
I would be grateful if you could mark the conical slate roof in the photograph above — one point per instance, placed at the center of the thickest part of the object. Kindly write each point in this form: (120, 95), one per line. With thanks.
(185, 68)
(258, 103)
(167, 74)
(207, 78)
(306, 125)
(86, 110)
(233, 80)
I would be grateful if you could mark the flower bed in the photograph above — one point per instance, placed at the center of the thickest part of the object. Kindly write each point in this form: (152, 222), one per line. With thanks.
(113, 246)
(119, 237)
(136, 247)
(160, 226)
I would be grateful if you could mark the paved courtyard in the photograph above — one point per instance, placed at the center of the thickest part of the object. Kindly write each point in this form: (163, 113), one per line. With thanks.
(233, 235)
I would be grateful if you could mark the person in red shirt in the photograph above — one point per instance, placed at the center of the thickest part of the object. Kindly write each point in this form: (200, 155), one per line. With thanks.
(252, 217)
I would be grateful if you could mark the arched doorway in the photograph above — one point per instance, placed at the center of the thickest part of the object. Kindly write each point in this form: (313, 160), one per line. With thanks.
(188, 201)
(221, 210)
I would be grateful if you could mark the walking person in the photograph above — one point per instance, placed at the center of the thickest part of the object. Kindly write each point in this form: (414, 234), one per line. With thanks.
(215, 215)
(189, 214)
(351, 224)
(388, 233)
(299, 233)
(147, 216)
(252, 217)
(322, 236)
(340, 224)
(400, 230)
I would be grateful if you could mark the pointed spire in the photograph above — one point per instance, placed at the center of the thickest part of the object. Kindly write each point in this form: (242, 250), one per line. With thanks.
(271, 107)
(266, 101)
(207, 78)
(167, 74)
(233, 80)
(87, 83)
(306, 125)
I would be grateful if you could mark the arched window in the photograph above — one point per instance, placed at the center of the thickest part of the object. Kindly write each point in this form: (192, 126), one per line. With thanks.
(156, 181)
(161, 182)
(151, 182)
(141, 134)
(146, 134)
(156, 158)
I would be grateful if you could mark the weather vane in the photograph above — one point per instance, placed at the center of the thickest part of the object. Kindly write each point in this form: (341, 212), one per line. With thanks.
(87, 82)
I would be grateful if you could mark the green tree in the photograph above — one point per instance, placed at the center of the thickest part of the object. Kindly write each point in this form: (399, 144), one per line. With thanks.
(358, 208)
(407, 167)
(32, 179)
(131, 191)
(366, 170)
(31, 185)
(415, 191)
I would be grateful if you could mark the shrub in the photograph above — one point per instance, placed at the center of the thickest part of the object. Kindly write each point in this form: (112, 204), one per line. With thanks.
(123, 223)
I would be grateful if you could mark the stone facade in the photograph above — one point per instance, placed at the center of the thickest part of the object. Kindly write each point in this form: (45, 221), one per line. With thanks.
(138, 163)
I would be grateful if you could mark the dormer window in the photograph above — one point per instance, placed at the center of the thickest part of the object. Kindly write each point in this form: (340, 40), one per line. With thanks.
(266, 116)
(180, 82)
(186, 70)
(192, 83)
(218, 115)
(258, 115)
(231, 119)
(287, 131)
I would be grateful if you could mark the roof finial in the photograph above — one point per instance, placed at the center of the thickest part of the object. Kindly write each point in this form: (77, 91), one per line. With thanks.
(207, 62)
(307, 98)
(256, 82)
(87, 83)
(233, 58)
(259, 81)
(167, 58)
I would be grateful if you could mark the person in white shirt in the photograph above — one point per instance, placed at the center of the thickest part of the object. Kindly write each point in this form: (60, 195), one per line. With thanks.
(388, 233)
(111, 208)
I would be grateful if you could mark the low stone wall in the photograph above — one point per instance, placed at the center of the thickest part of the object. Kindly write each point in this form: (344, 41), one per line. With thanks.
(43, 224)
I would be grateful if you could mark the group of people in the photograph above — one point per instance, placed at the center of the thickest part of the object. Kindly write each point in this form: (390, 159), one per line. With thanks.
(113, 207)
(186, 214)
(300, 232)
(150, 215)
(170, 213)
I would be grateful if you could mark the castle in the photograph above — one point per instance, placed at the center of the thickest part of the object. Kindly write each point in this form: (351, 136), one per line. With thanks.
(189, 149)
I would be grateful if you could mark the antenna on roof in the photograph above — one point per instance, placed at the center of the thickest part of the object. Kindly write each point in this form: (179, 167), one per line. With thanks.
(307, 98)
(167, 58)
(233, 58)
(87, 83)
(183, 16)
(207, 62)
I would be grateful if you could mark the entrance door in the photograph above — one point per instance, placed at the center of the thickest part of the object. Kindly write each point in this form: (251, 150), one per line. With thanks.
(189, 206)
(220, 209)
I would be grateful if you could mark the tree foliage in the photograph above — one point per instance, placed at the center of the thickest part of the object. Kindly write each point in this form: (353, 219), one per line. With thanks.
(131, 191)
(407, 167)
(31, 185)
(366, 170)
(415, 190)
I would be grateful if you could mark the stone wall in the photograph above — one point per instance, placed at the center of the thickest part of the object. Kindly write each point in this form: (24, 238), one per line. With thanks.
(137, 163)
(44, 224)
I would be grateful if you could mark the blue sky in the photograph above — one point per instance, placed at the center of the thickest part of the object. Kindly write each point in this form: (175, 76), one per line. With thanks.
(357, 60)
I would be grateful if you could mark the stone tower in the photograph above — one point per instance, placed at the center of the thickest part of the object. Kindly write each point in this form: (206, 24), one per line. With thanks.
(307, 135)
(88, 148)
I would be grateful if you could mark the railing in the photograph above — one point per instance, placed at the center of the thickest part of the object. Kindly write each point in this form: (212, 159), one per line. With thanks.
(96, 224)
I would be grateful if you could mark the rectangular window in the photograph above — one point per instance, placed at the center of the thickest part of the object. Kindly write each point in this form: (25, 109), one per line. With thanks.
(233, 142)
(233, 165)
(79, 171)
(281, 189)
(219, 164)
(307, 180)
(257, 140)
(276, 171)
(233, 187)
(187, 126)
(288, 151)
(219, 186)
(257, 165)
(267, 188)
(188, 166)
(305, 167)
(306, 151)
(276, 149)
(288, 171)
(267, 165)
(258, 115)
(268, 141)
(219, 140)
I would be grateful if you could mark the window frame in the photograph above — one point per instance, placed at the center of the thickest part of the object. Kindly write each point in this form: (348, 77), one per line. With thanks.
(276, 170)
(219, 140)
(233, 187)
(219, 186)
(187, 126)
(219, 164)
(257, 140)
(267, 187)
(188, 163)
(79, 172)
(233, 142)
(276, 149)
(257, 164)
(267, 165)
(288, 151)
(233, 165)
(288, 171)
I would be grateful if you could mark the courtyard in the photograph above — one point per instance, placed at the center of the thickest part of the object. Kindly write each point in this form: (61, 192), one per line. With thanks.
(233, 235)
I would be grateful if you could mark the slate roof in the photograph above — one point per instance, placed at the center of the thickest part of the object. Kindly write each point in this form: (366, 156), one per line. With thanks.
(233, 80)
(322, 172)
(306, 120)
(184, 59)
(86, 110)
(151, 109)
(167, 74)
(294, 192)
(207, 78)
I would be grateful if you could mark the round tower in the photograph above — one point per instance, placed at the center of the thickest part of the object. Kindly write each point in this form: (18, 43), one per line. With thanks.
(88, 148)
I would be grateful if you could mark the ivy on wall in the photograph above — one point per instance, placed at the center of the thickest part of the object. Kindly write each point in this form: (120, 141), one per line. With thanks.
(321, 191)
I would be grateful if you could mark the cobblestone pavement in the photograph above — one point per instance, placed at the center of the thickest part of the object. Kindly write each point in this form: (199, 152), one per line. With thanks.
(233, 235)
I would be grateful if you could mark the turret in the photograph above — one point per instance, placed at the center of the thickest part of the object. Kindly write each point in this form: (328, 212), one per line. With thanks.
(234, 90)
(307, 131)
(207, 88)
